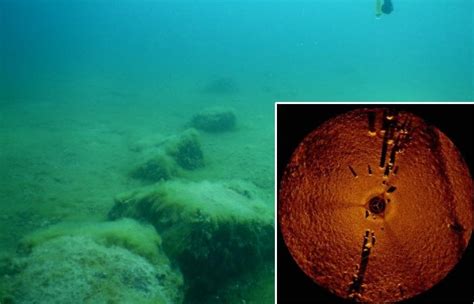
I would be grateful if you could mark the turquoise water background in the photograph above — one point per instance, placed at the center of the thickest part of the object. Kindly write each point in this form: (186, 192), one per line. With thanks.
(273, 50)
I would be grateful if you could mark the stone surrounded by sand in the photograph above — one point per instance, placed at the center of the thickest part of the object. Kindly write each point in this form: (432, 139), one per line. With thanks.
(213, 230)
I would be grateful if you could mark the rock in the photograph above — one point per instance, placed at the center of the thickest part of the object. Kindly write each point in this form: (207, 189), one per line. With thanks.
(119, 262)
(76, 267)
(182, 151)
(186, 150)
(215, 231)
(216, 119)
(160, 167)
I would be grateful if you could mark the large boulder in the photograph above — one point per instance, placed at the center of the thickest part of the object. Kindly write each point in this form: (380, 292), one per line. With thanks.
(115, 262)
(215, 231)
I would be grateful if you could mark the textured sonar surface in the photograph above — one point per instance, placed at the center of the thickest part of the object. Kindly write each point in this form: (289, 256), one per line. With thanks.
(376, 205)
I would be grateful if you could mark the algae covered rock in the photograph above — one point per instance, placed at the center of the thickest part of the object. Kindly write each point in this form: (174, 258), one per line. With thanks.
(213, 230)
(186, 150)
(158, 168)
(164, 160)
(115, 262)
(141, 239)
(76, 267)
(215, 119)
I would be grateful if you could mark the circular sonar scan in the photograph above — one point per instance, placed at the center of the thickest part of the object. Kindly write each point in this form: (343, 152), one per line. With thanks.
(375, 205)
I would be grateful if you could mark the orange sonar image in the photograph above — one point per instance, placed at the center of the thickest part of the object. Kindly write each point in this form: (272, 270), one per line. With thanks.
(376, 205)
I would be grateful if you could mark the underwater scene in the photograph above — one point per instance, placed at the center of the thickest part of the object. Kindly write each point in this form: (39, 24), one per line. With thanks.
(137, 137)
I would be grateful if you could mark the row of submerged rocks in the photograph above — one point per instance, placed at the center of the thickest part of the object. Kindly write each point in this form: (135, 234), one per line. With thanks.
(215, 231)
(171, 240)
(167, 156)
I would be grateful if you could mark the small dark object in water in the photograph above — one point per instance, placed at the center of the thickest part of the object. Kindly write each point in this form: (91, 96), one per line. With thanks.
(387, 7)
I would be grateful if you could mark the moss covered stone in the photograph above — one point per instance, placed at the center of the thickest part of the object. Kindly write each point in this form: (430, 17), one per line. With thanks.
(215, 231)
(164, 161)
(158, 168)
(113, 262)
(75, 268)
(186, 150)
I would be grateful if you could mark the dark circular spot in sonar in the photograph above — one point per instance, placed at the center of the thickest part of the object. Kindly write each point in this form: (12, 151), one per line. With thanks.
(377, 205)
